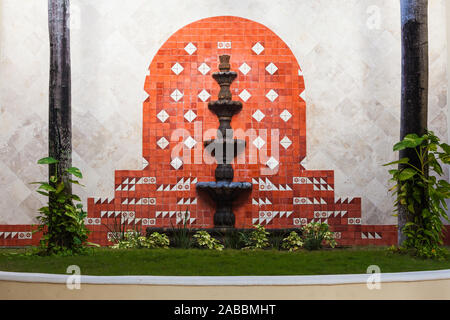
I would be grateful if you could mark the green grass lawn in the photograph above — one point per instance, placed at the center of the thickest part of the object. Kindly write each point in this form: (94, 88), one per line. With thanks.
(195, 262)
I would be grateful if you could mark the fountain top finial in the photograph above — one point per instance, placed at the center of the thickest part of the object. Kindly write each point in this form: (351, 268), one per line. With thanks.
(224, 64)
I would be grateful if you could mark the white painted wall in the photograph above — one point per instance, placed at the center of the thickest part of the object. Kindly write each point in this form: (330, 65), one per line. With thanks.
(349, 52)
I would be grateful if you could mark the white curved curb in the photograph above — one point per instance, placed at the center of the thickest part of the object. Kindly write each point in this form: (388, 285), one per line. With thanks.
(229, 280)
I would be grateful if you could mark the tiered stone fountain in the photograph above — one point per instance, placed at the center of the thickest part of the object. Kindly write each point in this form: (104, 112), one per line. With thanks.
(224, 148)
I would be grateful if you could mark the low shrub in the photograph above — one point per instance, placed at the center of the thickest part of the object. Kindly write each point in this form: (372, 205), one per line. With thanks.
(182, 233)
(232, 240)
(258, 238)
(315, 234)
(292, 242)
(134, 240)
(204, 240)
(276, 241)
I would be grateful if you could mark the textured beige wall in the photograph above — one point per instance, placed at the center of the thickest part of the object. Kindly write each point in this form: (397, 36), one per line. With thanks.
(349, 52)
(415, 290)
(447, 5)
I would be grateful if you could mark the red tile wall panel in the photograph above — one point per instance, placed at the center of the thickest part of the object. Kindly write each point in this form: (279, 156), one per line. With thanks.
(176, 117)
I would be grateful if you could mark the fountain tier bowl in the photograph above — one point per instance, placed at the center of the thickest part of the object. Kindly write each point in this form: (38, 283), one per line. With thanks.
(224, 193)
(223, 190)
(225, 108)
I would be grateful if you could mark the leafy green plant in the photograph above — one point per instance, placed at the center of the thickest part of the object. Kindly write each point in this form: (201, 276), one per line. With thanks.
(315, 234)
(232, 239)
(118, 229)
(181, 235)
(421, 194)
(258, 238)
(62, 220)
(276, 241)
(158, 240)
(204, 240)
(244, 238)
(134, 240)
(292, 242)
(131, 239)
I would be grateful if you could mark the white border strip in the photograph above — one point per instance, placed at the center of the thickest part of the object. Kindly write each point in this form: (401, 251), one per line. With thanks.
(229, 280)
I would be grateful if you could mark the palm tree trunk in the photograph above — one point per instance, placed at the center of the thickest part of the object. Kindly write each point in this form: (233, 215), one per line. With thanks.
(414, 94)
(60, 123)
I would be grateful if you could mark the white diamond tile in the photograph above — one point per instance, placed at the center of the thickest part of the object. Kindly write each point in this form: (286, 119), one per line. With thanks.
(176, 163)
(177, 68)
(302, 95)
(272, 95)
(245, 68)
(285, 115)
(162, 143)
(190, 48)
(204, 95)
(204, 68)
(258, 115)
(176, 95)
(258, 48)
(162, 115)
(259, 142)
(245, 95)
(286, 142)
(271, 68)
(190, 142)
(272, 163)
(190, 115)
